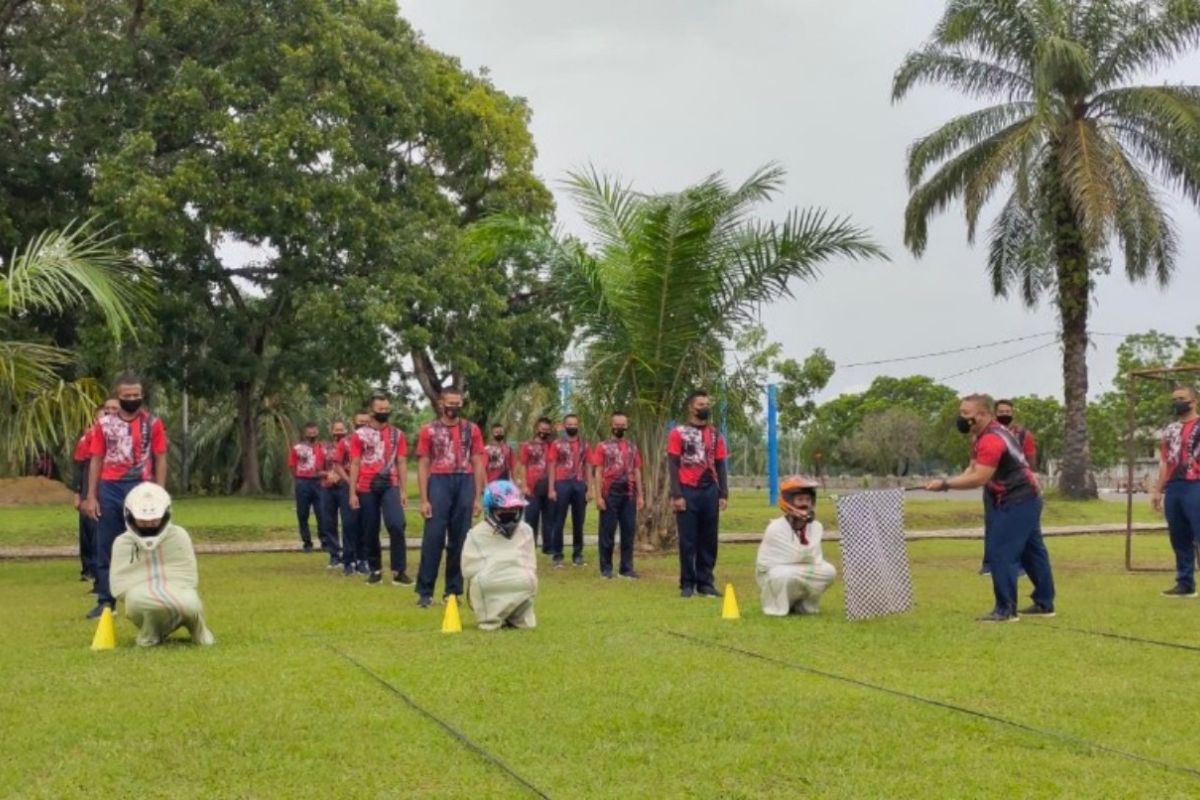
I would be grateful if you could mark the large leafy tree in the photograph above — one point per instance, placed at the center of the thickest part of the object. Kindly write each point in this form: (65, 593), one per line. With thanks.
(75, 273)
(1074, 146)
(666, 283)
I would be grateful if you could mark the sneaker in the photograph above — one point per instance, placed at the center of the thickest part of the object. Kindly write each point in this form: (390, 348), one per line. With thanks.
(577, 561)
(687, 591)
(1037, 610)
(362, 568)
(424, 601)
(985, 570)
(631, 575)
(607, 575)
(1179, 592)
(375, 577)
(558, 563)
(401, 579)
(998, 616)
(348, 571)
(84, 577)
(99, 609)
(308, 548)
(708, 591)
(334, 563)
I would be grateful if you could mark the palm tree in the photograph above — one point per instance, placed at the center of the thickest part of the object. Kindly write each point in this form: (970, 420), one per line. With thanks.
(665, 286)
(1076, 149)
(58, 273)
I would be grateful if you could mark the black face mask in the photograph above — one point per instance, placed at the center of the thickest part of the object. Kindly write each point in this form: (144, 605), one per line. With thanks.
(1181, 407)
(571, 431)
(382, 416)
(544, 436)
(131, 406)
(499, 437)
(451, 412)
(963, 424)
(337, 437)
(618, 433)
(1005, 419)
(704, 414)
(311, 439)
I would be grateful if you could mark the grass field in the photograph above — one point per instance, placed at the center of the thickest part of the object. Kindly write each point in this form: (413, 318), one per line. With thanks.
(601, 701)
(233, 519)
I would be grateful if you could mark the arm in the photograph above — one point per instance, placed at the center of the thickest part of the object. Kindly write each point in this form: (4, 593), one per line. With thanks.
(975, 476)
(596, 483)
(160, 470)
(519, 474)
(423, 486)
(1156, 499)
(723, 482)
(480, 463)
(355, 467)
(677, 501)
(402, 478)
(91, 506)
(641, 493)
(158, 444)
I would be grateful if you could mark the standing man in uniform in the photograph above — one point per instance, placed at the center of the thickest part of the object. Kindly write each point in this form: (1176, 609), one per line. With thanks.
(696, 456)
(451, 475)
(354, 557)
(379, 477)
(617, 485)
(1013, 511)
(500, 461)
(128, 448)
(533, 479)
(332, 489)
(87, 525)
(1179, 480)
(306, 459)
(569, 490)
(1004, 415)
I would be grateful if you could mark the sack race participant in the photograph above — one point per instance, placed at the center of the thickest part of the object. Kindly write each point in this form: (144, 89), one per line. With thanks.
(154, 570)
(499, 563)
(791, 569)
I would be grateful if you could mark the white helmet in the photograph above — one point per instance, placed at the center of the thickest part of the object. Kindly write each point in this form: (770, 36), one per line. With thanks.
(147, 501)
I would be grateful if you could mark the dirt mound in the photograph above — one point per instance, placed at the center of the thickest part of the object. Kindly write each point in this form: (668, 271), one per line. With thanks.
(33, 492)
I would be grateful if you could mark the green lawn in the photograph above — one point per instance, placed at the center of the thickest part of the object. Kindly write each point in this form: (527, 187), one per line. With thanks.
(599, 701)
(234, 519)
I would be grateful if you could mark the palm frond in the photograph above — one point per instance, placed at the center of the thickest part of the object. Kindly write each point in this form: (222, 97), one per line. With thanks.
(971, 76)
(998, 29)
(1021, 253)
(1084, 169)
(1017, 149)
(964, 131)
(1161, 124)
(1156, 32)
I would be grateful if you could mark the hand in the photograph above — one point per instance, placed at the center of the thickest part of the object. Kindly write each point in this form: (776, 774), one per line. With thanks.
(723, 504)
(404, 500)
(426, 509)
(679, 505)
(601, 504)
(90, 508)
(641, 503)
(354, 501)
(553, 496)
(587, 497)
(1156, 502)
(75, 501)
(939, 485)
(478, 507)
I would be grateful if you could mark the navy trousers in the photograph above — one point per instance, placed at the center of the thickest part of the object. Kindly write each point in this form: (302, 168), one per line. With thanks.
(572, 496)
(373, 506)
(453, 501)
(620, 511)
(111, 524)
(1013, 541)
(538, 515)
(308, 500)
(351, 537)
(697, 528)
(1182, 508)
(87, 546)
(327, 521)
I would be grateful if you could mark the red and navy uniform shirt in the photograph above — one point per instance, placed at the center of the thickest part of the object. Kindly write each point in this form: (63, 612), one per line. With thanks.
(450, 448)
(83, 460)
(618, 460)
(129, 447)
(1026, 440)
(341, 454)
(1013, 480)
(375, 449)
(698, 450)
(568, 457)
(499, 461)
(306, 460)
(1181, 451)
(533, 459)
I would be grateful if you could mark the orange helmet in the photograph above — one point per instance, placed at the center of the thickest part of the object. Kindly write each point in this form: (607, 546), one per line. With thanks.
(792, 485)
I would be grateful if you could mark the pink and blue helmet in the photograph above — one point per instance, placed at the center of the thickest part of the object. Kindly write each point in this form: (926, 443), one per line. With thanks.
(503, 506)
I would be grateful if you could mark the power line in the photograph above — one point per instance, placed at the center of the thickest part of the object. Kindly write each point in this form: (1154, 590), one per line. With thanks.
(998, 362)
(949, 352)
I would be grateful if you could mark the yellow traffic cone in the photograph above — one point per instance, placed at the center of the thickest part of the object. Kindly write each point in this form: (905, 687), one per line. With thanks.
(729, 606)
(451, 622)
(106, 634)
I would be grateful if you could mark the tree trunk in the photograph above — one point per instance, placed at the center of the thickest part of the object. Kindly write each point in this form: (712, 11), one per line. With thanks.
(248, 440)
(1074, 295)
(656, 523)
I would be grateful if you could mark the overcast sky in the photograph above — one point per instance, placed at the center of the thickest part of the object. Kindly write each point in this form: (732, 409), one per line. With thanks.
(664, 92)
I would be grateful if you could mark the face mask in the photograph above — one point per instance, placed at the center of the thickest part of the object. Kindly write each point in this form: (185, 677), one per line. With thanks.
(337, 437)
(544, 436)
(618, 433)
(499, 437)
(704, 414)
(1005, 419)
(964, 425)
(1181, 407)
(130, 406)
(311, 439)
(571, 431)
(382, 416)
(452, 412)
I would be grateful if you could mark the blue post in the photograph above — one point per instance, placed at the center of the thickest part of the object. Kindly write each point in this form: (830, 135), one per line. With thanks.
(564, 392)
(772, 443)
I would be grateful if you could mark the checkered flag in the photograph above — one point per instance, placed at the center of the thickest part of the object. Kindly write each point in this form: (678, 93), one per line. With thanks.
(874, 555)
